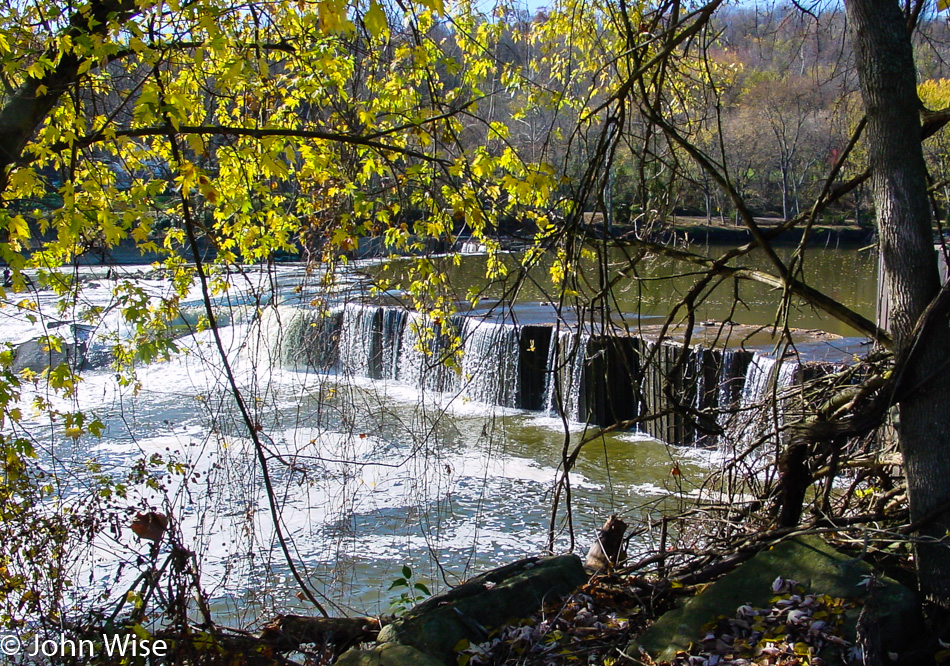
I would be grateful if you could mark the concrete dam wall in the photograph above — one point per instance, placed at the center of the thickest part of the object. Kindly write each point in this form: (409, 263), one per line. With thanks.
(600, 378)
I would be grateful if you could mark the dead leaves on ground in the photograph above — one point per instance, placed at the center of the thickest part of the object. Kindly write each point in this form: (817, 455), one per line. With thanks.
(596, 624)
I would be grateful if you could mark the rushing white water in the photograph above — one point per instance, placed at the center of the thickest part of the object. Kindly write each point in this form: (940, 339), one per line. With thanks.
(766, 377)
(425, 358)
(490, 362)
(727, 379)
(564, 382)
(381, 453)
(472, 247)
(358, 344)
(368, 476)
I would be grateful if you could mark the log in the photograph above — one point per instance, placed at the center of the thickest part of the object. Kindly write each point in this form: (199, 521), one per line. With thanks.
(289, 632)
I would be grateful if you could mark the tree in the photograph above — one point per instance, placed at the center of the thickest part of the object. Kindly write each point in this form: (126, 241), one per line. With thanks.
(916, 302)
(222, 134)
(893, 132)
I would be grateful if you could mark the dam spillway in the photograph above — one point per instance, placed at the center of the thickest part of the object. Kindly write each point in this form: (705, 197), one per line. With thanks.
(595, 374)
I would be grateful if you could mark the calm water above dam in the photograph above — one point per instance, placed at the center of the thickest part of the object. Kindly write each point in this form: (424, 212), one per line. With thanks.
(659, 283)
(382, 457)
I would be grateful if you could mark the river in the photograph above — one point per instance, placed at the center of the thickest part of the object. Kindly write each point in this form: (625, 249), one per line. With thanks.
(373, 469)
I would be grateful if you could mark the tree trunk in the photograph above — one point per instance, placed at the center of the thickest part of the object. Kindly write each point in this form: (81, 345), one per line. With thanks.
(786, 206)
(889, 87)
(26, 109)
(608, 550)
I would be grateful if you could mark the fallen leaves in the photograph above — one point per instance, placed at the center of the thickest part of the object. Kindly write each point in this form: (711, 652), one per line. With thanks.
(793, 631)
(588, 627)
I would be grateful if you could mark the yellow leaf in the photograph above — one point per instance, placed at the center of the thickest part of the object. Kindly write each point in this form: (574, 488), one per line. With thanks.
(435, 5)
(18, 228)
(375, 20)
(333, 16)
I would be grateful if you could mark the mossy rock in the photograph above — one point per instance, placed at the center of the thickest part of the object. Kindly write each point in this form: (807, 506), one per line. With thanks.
(387, 654)
(818, 567)
(471, 611)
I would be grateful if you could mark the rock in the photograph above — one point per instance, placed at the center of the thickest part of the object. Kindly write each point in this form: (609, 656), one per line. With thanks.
(475, 608)
(387, 654)
(815, 565)
(37, 356)
(79, 350)
(97, 357)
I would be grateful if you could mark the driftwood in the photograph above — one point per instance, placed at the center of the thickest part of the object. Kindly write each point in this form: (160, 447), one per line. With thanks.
(607, 551)
(289, 632)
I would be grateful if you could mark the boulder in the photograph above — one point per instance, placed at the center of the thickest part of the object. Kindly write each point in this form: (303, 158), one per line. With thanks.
(472, 610)
(818, 567)
(37, 356)
(79, 350)
(387, 654)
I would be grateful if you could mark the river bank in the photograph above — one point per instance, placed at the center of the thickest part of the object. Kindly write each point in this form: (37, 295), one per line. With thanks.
(700, 231)
(682, 229)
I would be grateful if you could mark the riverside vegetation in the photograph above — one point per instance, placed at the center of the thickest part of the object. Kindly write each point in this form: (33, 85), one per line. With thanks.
(218, 139)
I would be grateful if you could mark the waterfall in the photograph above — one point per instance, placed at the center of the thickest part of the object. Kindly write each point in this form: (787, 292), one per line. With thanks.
(735, 364)
(285, 336)
(311, 339)
(766, 376)
(359, 346)
(656, 375)
(764, 373)
(600, 379)
(699, 363)
(566, 360)
(423, 354)
(472, 247)
(490, 361)
(756, 384)
(394, 323)
(788, 374)
(411, 359)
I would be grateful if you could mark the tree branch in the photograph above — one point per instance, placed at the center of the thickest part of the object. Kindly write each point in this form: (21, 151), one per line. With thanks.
(256, 133)
(37, 95)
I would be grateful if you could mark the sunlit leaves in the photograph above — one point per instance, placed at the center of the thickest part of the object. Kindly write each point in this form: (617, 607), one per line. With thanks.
(375, 20)
(297, 127)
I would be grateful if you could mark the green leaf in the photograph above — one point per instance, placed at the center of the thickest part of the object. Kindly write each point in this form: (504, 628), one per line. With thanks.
(96, 428)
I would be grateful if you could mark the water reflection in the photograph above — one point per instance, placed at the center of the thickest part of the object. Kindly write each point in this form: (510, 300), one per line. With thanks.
(655, 285)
